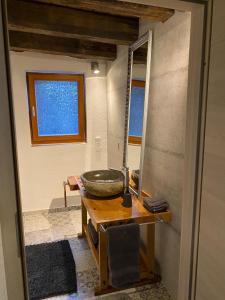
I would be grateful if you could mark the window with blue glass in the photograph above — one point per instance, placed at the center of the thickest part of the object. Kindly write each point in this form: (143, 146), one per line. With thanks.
(57, 107)
(136, 111)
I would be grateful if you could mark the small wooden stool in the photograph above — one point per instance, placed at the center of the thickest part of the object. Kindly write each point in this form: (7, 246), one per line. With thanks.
(73, 186)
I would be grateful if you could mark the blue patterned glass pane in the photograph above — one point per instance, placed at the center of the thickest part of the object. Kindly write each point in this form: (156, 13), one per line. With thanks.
(57, 107)
(136, 111)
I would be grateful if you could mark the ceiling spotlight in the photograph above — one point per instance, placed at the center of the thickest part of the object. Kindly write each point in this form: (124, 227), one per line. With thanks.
(95, 67)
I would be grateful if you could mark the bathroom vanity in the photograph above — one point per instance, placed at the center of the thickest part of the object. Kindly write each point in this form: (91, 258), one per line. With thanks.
(109, 212)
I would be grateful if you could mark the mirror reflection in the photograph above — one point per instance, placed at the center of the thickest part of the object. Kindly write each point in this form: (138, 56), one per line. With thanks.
(136, 113)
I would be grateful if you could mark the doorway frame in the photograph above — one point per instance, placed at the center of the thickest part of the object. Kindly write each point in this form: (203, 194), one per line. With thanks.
(201, 11)
(14, 274)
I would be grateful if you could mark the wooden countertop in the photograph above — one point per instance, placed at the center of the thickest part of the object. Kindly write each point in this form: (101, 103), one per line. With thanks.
(110, 210)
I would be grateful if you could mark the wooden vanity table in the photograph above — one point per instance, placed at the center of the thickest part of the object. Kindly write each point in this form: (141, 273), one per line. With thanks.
(108, 212)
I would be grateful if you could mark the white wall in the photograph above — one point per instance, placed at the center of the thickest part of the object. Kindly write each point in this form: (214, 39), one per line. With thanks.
(116, 95)
(43, 169)
(165, 136)
(133, 156)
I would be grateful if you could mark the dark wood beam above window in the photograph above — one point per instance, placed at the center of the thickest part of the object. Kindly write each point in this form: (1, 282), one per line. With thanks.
(140, 56)
(114, 7)
(66, 22)
(25, 41)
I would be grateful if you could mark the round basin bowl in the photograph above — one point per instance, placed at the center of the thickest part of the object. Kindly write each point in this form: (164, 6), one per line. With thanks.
(103, 183)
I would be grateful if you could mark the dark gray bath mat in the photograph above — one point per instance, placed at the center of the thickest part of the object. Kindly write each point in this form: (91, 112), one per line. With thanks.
(51, 270)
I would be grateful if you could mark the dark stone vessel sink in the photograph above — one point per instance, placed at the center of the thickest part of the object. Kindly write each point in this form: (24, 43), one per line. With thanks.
(103, 183)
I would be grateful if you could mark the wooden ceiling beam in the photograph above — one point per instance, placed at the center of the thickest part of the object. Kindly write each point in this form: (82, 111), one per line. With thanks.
(140, 56)
(59, 21)
(24, 41)
(114, 7)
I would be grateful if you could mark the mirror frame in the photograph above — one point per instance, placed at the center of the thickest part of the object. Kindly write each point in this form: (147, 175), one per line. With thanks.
(145, 38)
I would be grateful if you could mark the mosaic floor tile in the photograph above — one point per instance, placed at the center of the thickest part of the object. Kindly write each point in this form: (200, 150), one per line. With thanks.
(87, 282)
(45, 226)
(118, 296)
(35, 222)
(78, 244)
(38, 237)
(84, 260)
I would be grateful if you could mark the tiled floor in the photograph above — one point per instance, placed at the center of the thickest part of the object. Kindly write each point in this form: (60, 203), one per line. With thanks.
(42, 227)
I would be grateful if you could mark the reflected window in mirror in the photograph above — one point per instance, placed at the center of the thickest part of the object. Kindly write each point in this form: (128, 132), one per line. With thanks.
(136, 111)
(137, 104)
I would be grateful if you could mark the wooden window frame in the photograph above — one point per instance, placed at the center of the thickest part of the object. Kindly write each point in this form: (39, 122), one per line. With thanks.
(35, 138)
(136, 140)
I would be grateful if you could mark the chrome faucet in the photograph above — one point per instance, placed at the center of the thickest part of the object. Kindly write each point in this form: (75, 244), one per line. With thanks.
(126, 195)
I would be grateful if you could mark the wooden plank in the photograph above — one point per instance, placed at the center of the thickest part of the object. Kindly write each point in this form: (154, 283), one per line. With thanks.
(150, 251)
(92, 247)
(103, 263)
(64, 22)
(25, 41)
(115, 7)
(71, 180)
(154, 279)
(84, 218)
(104, 211)
(112, 211)
(140, 56)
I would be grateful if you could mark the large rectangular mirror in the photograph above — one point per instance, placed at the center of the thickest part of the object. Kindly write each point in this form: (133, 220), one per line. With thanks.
(137, 109)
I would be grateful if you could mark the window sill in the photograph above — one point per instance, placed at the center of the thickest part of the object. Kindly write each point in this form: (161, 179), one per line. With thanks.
(58, 144)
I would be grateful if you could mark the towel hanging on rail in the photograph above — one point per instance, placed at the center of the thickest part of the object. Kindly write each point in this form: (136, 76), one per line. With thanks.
(123, 254)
